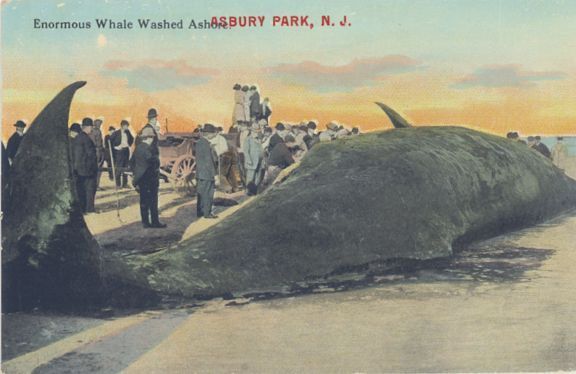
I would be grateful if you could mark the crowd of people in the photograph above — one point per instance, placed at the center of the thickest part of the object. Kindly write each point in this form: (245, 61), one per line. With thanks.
(558, 154)
(249, 157)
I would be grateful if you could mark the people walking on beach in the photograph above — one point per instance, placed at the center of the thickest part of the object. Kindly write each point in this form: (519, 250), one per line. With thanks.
(205, 172)
(121, 142)
(146, 177)
(85, 166)
(15, 139)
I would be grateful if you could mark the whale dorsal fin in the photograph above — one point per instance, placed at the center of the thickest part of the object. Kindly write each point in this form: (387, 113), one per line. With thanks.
(396, 118)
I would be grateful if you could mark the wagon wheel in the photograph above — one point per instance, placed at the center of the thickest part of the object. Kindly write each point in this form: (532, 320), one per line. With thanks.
(183, 174)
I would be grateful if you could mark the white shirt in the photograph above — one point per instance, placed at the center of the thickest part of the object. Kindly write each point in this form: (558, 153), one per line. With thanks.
(326, 136)
(123, 142)
(220, 144)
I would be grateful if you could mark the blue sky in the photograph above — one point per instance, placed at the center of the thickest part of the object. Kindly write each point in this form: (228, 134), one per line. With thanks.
(462, 55)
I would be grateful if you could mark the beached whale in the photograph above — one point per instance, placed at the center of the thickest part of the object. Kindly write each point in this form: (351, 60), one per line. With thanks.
(408, 193)
(49, 257)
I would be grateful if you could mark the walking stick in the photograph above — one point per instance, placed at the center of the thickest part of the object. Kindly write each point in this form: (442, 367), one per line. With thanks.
(115, 183)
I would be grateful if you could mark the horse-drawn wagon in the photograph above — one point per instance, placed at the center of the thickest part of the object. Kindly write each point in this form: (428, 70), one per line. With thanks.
(177, 160)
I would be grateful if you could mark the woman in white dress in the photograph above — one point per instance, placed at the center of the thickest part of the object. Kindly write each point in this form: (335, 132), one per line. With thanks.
(239, 114)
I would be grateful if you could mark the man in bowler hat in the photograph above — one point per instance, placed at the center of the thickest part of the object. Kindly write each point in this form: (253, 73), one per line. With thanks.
(85, 165)
(145, 180)
(15, 139)
(154, 126)
(205, 172)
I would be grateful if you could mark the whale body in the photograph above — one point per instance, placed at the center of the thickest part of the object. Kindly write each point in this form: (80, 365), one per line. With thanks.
(414, 193)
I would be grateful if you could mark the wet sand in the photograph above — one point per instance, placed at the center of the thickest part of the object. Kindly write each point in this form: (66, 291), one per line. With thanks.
(507, 304)
(430, 323)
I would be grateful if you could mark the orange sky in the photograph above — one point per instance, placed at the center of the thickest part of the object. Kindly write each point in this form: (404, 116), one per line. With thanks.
(423, 98)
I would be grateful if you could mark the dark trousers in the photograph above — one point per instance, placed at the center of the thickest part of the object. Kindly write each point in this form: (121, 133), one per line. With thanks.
(108, 164)
(100, 158)
(86, 189)
(229, 169)
(205, 197)
(121, 159)
(149, 202)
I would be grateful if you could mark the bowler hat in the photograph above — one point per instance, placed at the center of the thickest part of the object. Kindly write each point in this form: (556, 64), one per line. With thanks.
(124, 122)
(152, 113)
(87, 122)
(111, 128)
(20, 123)
(280, 126)
(209, 128)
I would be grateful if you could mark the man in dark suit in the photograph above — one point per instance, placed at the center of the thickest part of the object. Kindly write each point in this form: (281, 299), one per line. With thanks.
(85, 165)
(534, 143)
(255, 107)
(265, 111)
(151, 124)
(542, 148)
(277, 137)
(15, 139)
(146, 171)
(5, 172)
(205, 172)
(121, 141)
